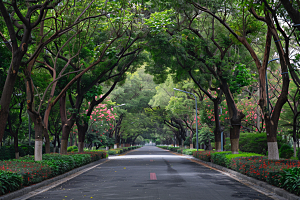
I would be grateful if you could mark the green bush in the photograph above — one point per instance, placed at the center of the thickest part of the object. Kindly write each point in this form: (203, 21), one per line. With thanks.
(179, 150)
(286, 151)
(219, 158)
(173, 148)
(254, 143)
(8, 152)
(32, 172)
(188, 151)
(163, 147)
(298, 154)
(290, 180)
(111, 152)
(28, 150)
(187, 141)
(203, 155)
(9, 182)
(72, 149)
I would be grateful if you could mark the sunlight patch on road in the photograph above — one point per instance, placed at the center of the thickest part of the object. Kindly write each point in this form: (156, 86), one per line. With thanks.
(141, 157)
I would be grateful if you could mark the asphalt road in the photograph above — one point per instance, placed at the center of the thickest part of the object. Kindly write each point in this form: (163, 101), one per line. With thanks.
(151, 173)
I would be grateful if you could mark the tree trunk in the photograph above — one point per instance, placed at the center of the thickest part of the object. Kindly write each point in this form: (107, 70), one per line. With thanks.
(67, 125)
(38, 146)
(217, 130)
(271, 129)
(75, 140)
(191, 140)
(235, 115)
(47, 140)
(82, 129)
(65, 136)
(16, 145)
(71, 139)
(234, 137)
(295, 133)
(9, 88)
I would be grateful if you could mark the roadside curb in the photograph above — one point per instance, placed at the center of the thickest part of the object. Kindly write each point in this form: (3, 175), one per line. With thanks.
(278, 191)
(31, 188)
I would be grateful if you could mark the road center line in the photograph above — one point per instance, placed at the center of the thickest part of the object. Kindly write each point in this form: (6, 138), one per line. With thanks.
(153, 176)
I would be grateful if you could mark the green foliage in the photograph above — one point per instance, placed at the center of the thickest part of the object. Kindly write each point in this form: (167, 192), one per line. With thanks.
(254, 143)
(9, 182)
(159, 21)
(187, 141)
(96, 90)
(171, 148)
(205, 134)
(203, 155)
(8, 152)
(298, 154)
(286, 151)
(72, 149)
(28, 150)
(188, 151)
(241, 77)
(290, 180)
(219, 158)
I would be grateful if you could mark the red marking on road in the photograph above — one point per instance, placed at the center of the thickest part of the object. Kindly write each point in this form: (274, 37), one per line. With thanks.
(151, 160)
(153, 176)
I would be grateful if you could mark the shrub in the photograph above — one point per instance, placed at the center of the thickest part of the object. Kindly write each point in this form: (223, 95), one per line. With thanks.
(256, 142)
(290, 180)
(286, 151)
(9, 182)
(224, 158)
(219, 158)
(298, 154)
(187, 141)
(203, 155)
(173, 148)
(111, 152)
(72, 149)
(27, 150)
(163, 147)
(179, 150)
(31, 172)
(8, 152)
(261, 168)
(188, 151)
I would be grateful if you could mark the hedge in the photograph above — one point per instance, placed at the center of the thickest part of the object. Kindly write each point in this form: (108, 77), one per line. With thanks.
(257, 166)
(32, 172)
(121, 150)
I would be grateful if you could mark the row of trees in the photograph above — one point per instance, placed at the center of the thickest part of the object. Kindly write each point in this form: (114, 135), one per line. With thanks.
(59, 56)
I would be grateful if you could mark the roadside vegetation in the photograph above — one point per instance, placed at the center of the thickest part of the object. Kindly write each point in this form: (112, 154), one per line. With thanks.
(105, 75)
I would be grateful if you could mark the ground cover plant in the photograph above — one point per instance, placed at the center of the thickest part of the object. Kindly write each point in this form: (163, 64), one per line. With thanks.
(121, 150)
(30, 172)
(290, 180)
(283, 173)
(9, 181)
(203, 155)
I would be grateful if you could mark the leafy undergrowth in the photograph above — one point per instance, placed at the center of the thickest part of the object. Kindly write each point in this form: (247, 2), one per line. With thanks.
(284, 173)
(121, 150)
(15, 174)
(180, 150)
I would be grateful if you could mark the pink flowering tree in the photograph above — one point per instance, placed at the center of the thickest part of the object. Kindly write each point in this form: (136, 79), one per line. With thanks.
(101, 123)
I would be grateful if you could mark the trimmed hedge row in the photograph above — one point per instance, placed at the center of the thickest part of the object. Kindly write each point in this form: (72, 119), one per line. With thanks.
(121, 150)
(179, 150)
(30, 172)
(280, 173)
(8, 152)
